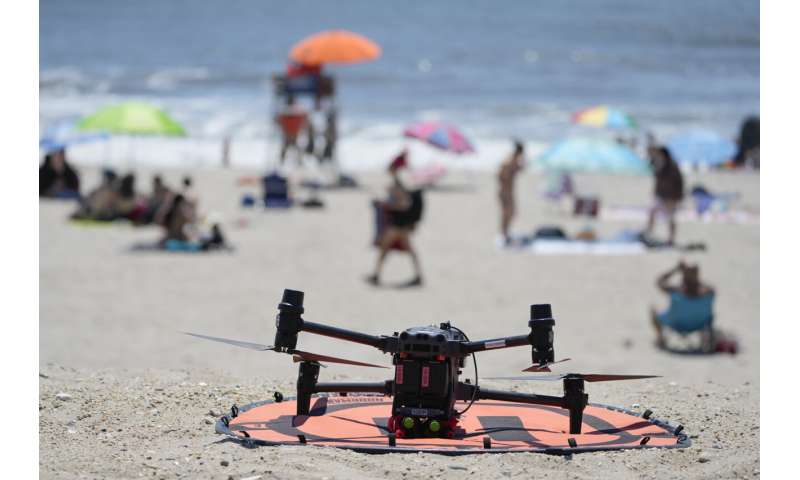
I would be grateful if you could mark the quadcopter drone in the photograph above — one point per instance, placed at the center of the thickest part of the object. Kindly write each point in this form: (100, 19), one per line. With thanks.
(427, 365)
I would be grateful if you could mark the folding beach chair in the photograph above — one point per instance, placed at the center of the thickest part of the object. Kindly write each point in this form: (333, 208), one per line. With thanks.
(687, 315)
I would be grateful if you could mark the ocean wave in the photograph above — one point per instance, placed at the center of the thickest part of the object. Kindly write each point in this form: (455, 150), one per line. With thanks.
(172, 78)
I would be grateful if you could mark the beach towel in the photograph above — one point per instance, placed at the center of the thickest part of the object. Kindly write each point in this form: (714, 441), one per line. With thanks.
(552, 241)
(623, 213)
(179, 246)
(93, 222)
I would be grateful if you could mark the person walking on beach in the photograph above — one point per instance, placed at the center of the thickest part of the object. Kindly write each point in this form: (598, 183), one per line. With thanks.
(668, 190)
(506, 177)
(402, 209)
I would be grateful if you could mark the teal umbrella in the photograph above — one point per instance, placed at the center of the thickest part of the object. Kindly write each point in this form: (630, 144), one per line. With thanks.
(592, 155)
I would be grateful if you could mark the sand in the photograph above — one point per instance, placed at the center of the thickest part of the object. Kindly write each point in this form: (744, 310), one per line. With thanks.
(140, 393)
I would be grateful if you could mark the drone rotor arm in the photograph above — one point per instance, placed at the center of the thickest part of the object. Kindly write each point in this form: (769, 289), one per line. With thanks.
(375, 341)
(495, 343)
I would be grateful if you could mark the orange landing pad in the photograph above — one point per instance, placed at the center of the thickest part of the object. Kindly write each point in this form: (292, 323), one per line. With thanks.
(359, 423)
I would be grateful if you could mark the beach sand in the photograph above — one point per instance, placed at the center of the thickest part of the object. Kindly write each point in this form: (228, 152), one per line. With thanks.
(141, 392)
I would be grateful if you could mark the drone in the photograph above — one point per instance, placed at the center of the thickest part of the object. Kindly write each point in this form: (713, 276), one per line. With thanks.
(428, 362)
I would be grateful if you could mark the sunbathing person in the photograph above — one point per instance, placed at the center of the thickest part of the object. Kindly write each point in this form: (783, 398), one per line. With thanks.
(115, 198)
(403, 210)
(160, 196)
(178, 222)
(57, 178)
(691, 305)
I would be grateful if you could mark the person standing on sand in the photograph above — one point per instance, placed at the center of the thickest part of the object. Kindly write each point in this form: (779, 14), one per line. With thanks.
(668, 190)
(403, 210)
(292, 120)
(506, 176)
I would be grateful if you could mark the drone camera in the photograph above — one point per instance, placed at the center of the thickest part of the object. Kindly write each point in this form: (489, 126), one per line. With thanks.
(541, 337)
(289, 320)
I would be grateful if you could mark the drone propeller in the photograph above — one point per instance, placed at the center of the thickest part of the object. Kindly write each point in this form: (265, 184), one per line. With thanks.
(544, 367)
(237, 343)
(298, 356)
(589, 377)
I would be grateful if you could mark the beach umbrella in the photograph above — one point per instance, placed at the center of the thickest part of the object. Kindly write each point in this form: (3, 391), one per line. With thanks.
(592, 155)
(701, 147)
(133, 118)
(64, 135)
(442, 136)
(334, 46)
(604, 116)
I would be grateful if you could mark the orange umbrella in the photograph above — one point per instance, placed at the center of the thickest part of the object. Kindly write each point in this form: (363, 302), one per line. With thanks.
(334, 46)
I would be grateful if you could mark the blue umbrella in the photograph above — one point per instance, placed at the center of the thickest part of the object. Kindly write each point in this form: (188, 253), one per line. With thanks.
(701, 147)
(592, 155)
(63, 135)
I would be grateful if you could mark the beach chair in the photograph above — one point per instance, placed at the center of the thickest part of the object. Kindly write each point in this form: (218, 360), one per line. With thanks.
(688, 315)
(276, 191)
(559, 185)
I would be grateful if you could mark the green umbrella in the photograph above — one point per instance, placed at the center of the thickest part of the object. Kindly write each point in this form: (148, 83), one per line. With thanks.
(134, 118)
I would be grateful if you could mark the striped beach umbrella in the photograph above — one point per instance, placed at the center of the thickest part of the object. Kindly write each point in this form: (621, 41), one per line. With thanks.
(442, 136)
(603, 116)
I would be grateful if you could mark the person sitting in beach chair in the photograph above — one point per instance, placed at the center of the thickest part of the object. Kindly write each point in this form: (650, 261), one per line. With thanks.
(57, 178)
(397, 218)
(559, 185)
(690, 309)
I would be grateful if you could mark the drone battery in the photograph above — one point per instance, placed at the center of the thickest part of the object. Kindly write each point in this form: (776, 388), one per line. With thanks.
(433, 379)
(407, 377)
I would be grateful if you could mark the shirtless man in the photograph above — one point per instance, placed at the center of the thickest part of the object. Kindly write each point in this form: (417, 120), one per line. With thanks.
(506, 176)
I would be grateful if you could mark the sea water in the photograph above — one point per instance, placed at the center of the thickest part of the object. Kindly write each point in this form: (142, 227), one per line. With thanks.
(495, 69)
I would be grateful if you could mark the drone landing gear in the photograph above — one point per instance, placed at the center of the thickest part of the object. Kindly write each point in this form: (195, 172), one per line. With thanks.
(575, 400)
(307, 385)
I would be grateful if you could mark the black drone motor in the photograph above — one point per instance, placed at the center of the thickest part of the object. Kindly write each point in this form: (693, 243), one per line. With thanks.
(289, 322)
(541, 337)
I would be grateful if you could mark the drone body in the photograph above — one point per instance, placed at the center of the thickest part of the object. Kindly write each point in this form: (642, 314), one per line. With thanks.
(428, 362)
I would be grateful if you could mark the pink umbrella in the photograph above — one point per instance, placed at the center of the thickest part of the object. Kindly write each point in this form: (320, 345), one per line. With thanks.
(441, 136)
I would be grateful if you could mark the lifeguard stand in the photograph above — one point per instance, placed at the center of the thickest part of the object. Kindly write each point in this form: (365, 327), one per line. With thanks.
(303, 83)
